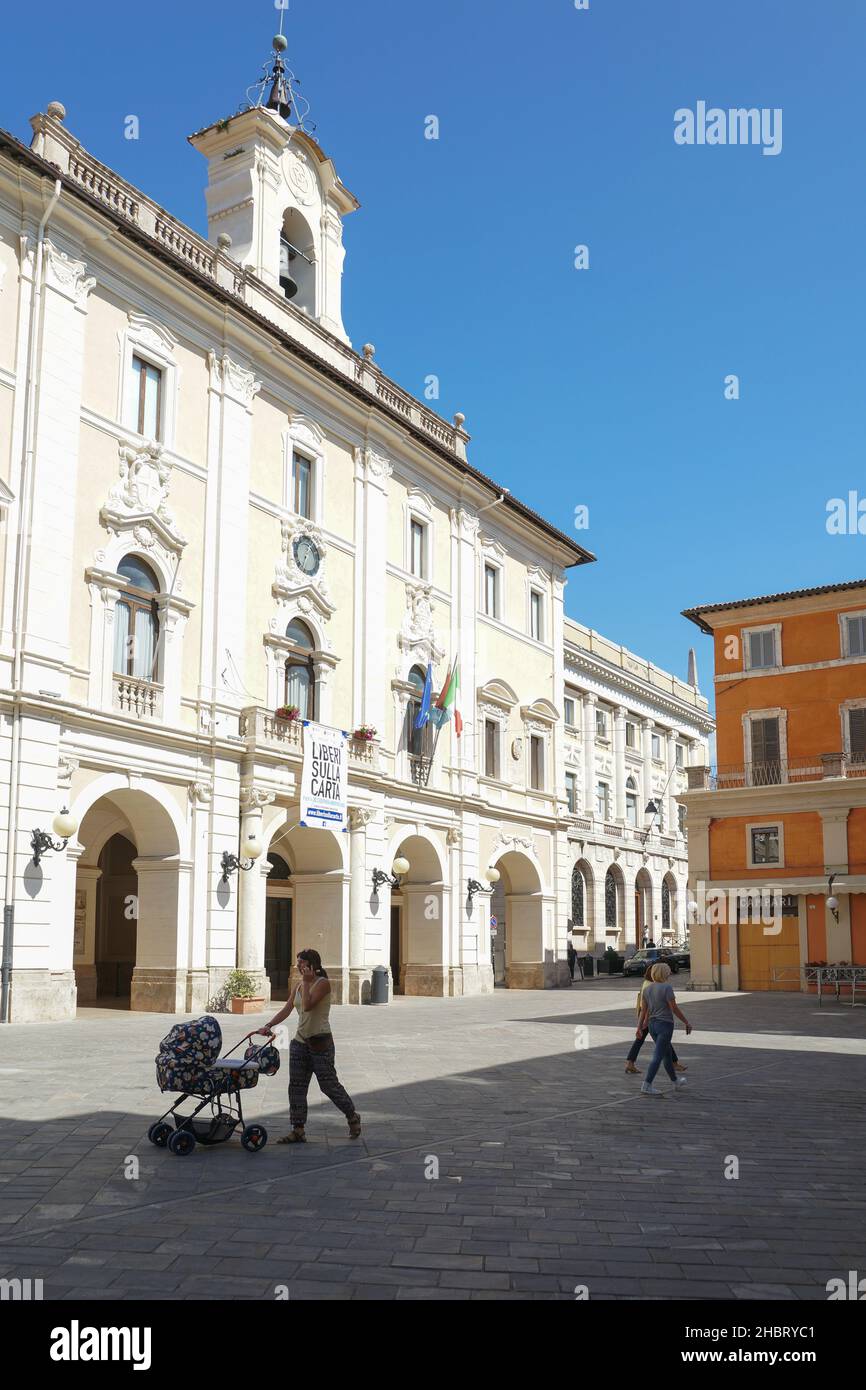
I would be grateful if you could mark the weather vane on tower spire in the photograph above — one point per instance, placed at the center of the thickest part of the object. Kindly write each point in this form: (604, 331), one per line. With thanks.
(275, 89)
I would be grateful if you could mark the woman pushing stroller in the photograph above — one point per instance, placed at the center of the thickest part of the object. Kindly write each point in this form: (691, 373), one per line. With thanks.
(311, 1051)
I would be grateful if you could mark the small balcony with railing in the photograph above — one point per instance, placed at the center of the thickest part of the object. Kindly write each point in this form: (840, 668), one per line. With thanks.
(263, 729)
(777, 772)
(139, 699)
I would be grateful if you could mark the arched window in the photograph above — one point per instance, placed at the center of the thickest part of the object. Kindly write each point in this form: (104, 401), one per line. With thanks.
(631, 801)
(611, 900)
(136, 621)
(666, 906)
(577, 907)
(279, 868)
(417, 740)
(298, 261)
(300, 670)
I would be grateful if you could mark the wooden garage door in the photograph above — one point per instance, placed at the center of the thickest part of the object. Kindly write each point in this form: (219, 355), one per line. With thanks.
(760, 955)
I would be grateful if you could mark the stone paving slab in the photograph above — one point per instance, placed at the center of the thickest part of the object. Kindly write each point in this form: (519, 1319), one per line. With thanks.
(552, 1170)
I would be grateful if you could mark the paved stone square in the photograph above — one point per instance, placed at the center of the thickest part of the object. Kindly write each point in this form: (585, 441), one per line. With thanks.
(553, 1171)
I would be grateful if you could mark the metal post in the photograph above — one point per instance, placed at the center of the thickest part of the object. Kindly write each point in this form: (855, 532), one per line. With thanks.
(6, 971)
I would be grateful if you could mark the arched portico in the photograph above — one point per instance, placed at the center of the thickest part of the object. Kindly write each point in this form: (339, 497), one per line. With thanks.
(644, 919)
(520, 958)
(318, 890)
(131, 903)
(420, 911)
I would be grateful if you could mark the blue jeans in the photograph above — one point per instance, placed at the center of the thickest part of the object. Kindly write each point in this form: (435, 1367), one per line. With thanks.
(661, 1034)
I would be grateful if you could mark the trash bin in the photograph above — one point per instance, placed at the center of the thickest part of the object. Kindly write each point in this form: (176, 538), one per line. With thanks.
(586, 967)
(379, 985)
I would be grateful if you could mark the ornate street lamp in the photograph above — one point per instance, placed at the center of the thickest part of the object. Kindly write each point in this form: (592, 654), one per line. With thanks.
(473, 886)
(63, 825)
(401, 868)
(832, 901)
(250, 850)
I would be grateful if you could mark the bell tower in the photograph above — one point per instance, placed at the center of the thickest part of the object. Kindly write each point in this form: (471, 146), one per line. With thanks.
(275, 192)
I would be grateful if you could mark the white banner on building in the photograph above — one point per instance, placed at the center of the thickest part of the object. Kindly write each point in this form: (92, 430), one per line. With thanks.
(325, 777)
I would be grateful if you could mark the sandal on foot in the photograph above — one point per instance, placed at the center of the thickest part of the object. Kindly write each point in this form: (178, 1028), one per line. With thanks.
(631, 1069)
(680, 1066)
(354, 1126)
(297, 1136)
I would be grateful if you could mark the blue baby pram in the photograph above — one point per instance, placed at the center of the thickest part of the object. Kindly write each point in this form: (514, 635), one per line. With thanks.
(189, 1062)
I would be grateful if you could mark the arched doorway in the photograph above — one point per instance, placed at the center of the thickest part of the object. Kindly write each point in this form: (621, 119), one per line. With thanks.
(133, 940)
(419, 909)
(279, 894)
(116, 922)
(314, 898)
(670, 925)
(614, 907)
(643, 909)
(519, 894)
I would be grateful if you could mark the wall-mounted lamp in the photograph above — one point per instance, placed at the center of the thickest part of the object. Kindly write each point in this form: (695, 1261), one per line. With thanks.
(473, 886)
(832, 902)
(250, 850)
(401, 868)
(63, 825)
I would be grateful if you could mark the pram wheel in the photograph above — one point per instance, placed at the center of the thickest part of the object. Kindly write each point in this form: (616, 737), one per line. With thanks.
(158, 1134)
(182, 1143)
(254, 1138)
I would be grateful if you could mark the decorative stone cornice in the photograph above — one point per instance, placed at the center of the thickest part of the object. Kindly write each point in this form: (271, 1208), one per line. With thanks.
(254, 798)
(200, 793)
(360, 817)
(67, 275)
(67, 766)
(234, 380)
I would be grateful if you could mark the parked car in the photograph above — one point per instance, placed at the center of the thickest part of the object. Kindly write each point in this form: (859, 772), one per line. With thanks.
(650, 955)
(682, 956)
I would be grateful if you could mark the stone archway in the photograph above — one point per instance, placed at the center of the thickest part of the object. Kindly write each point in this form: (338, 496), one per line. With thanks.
(148, 915)
(523, 953)
(614, 907)
(419, 919)
(318, 887)
(644, 919)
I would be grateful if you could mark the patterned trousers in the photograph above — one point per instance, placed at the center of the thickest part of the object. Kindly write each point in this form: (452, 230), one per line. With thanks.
(303, 1065)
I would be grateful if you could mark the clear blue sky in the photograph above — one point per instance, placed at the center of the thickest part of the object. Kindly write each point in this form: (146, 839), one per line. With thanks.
(602, 387)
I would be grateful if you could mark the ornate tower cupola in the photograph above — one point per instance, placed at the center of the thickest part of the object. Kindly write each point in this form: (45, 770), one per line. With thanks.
(274, 191)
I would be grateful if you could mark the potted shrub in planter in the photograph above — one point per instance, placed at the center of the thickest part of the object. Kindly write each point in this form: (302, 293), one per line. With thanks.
(287, 712)
(365, 733)
(240, 990)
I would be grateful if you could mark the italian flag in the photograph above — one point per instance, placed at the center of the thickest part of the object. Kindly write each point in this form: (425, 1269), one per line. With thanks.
(447, 698)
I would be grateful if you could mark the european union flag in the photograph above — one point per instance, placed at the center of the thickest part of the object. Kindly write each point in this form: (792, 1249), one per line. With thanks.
(423, 714)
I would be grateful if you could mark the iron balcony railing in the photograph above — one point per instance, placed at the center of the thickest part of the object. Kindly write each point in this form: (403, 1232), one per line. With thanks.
(775, 772)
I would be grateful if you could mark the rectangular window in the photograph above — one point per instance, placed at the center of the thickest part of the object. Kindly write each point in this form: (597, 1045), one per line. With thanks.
(536, 762)
(491, 591)
(682, 813)
(631, 808)
(762, 649)
(148, 397)
(302, 476)
(766, 752)
(418, 557)
(630, 735)
(857, 733)
(765, 845)
(656, 747)
(571, 791)
(601, 723)
(856, 629)
(601, 802)
(491, 748)
(569, 712)
(680, 755)
(536, 616)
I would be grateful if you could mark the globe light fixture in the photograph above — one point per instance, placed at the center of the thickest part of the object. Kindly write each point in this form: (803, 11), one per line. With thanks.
(251, 850)
(473, 886)
(64, 826)
(401, 867)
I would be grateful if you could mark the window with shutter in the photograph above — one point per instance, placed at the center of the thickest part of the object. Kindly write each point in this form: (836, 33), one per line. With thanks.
(766, 752)
(857, 733)
(762, 649)
(856, 636)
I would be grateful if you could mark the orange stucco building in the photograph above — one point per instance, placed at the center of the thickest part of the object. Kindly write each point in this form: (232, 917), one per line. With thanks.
(785, 807)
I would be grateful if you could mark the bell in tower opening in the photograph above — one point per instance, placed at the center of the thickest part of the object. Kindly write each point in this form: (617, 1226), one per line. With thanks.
(288, 283)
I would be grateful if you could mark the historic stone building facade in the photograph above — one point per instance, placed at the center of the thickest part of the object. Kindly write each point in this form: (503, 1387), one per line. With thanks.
(213, 510)
(632, 731)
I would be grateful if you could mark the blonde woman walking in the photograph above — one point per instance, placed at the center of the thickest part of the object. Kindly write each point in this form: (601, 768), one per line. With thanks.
(658, 1009)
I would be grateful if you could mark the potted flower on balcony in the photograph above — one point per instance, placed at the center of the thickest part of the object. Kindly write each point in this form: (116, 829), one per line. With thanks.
(287, 712)
(365, 733)
(240, 989)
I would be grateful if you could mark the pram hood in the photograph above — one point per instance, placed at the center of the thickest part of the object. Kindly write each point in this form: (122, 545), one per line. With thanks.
(189, 1055)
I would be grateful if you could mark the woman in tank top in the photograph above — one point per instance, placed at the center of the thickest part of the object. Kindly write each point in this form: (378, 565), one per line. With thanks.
(311, 1051)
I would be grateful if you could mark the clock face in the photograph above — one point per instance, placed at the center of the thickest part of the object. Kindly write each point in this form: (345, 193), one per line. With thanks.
(307, 557)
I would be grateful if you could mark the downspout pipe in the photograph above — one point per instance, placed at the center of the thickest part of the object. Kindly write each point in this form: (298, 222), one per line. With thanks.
(22, 564)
